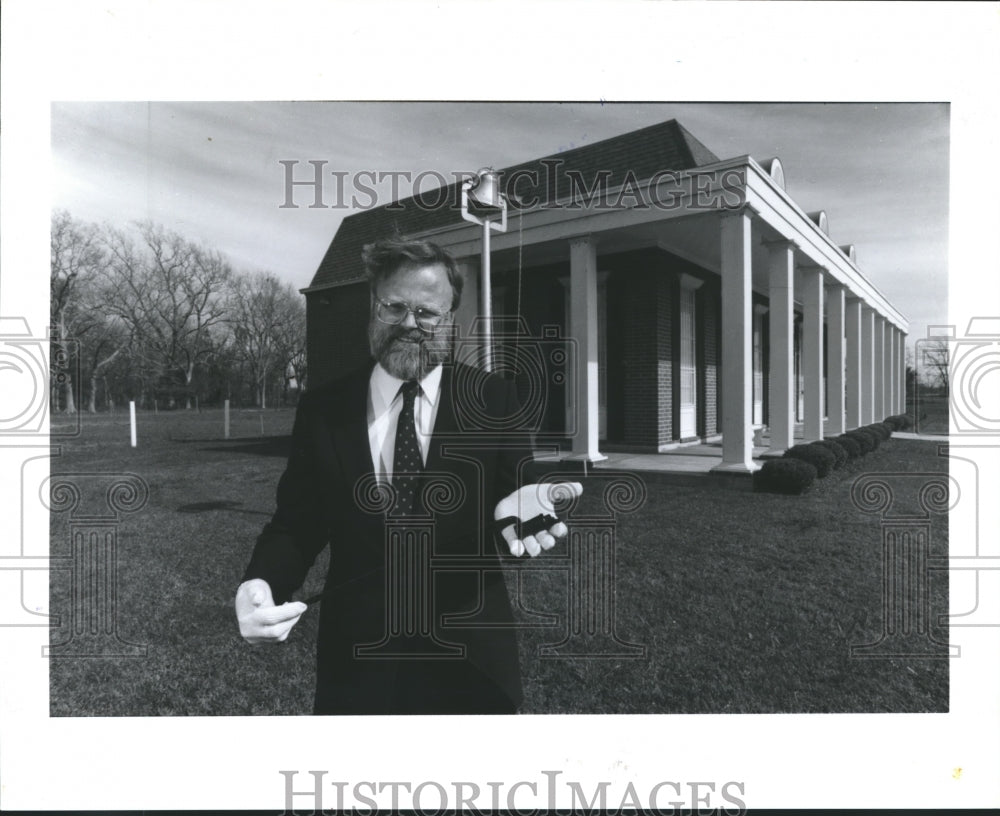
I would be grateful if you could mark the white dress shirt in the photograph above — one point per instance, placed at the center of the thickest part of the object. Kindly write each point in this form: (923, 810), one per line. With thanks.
(384, 406)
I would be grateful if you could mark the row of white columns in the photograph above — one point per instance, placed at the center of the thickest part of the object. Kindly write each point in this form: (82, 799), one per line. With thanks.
(864, 352)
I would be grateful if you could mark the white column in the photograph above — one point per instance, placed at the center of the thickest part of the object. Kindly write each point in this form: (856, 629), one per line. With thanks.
(812, 352)
(835, 418)
(867, 365)
(583, 329)
(781, 369)
(737, 368)
(853, 364)
(900, 368)
(887, 372)
(878, 403)
(890, 405)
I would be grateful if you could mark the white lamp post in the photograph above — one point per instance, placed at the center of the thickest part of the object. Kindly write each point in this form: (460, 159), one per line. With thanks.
(484, 191)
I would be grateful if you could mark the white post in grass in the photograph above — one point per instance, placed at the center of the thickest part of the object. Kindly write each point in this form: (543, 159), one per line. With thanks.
(131, 416)
(262, 423)
(225, 421)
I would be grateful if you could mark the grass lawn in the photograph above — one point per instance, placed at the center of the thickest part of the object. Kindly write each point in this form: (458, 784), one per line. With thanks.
(744, 602)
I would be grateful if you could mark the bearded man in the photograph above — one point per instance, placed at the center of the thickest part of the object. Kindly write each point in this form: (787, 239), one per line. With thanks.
(402, 468)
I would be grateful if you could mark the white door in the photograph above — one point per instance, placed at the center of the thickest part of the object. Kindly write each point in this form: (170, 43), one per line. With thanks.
(689, 368)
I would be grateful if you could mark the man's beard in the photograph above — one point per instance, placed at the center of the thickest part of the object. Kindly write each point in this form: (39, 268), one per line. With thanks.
(408, 354)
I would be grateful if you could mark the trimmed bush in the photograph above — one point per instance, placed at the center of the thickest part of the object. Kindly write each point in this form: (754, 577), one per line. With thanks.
(789, 476)
(899, 422)
(816, 455)
(875, 435)
(880, 429)
(850, 445)
(840, 455)
(866, 439)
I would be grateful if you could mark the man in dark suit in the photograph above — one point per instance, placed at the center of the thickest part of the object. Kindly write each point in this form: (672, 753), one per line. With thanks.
(402, 467)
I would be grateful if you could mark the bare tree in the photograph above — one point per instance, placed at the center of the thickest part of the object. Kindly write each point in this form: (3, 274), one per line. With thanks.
(267, 329)
(292, 338)
(99, 351)
(76, 259)
(934, 362)
(170, 295)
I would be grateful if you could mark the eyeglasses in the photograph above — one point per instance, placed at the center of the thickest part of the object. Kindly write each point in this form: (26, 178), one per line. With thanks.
(395, 313)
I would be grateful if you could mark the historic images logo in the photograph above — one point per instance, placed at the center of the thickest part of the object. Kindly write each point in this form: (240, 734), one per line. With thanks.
(550, 186)
(523, 796)
(905, 504)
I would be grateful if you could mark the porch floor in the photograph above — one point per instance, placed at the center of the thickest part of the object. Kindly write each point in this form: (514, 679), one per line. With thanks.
(680, 464)
(689, 461)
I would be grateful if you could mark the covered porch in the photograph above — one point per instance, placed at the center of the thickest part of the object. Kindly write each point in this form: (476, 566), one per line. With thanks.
(772, 331)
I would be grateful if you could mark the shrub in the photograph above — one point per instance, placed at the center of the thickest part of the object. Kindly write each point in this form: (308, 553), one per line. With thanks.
(899, 422)
(790, 476)
(832, 445)
(816, 455)
(867, 440)
(880, 429)
(875, 436)
(850, 445)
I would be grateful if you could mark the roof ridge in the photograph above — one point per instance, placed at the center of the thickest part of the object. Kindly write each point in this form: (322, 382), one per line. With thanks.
(639, 153)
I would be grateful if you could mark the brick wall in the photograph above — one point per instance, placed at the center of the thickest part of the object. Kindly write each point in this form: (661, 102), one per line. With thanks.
(640, 343)
(643, 341)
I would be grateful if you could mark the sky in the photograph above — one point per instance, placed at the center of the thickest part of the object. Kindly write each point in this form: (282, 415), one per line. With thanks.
(211, 171)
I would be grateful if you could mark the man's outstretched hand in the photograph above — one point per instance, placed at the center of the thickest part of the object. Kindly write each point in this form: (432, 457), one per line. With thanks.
(528, 516)
(260, 620)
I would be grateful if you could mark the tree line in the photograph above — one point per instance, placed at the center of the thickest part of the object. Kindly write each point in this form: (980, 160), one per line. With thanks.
(143, 313)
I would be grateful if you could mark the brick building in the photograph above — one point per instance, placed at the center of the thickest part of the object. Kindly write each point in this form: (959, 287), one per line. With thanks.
(646, 294)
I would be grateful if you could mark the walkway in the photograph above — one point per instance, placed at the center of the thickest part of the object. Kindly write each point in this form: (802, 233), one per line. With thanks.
(684, 463)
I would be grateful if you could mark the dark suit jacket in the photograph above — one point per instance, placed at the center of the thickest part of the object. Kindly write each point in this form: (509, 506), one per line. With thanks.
(322, 498)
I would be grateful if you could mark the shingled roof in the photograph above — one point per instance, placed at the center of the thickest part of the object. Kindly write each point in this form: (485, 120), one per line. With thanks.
(644, 152)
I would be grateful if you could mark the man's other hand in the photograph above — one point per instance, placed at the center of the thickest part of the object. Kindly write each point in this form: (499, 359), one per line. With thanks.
(529, 506)
(260, 620)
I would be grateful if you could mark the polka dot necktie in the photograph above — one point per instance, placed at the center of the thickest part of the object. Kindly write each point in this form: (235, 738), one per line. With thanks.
(407, 463)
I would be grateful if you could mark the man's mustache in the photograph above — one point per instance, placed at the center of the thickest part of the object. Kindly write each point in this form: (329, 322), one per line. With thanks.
(411, 336)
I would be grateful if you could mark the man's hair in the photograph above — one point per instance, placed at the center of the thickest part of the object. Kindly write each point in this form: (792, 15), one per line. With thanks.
(385, 257)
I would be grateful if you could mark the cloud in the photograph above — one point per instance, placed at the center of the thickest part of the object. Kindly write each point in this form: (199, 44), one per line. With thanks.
(211, 170)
